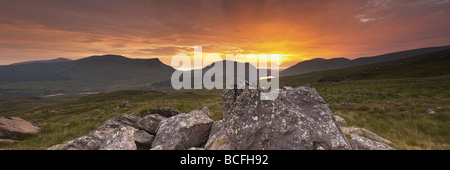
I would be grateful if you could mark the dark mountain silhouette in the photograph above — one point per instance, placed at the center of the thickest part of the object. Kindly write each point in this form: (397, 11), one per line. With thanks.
(96, 73)
(320, 64)
(115, 72)
(57, 60)
(237, 74)
(434, 64)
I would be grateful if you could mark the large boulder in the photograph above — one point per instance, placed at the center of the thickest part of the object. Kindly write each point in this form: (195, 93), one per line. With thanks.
(114, 134)
(14, 127)
(298, 119)
(183, 131)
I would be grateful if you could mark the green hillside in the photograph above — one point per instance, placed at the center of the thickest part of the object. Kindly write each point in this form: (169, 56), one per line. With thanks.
(428, 65)
(391, 99)
(93, 74)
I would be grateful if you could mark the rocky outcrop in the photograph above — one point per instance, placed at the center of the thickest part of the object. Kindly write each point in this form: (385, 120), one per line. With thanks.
(298, 119)
(112, 135)
(127, 132)
(183, 131)
(14, 127)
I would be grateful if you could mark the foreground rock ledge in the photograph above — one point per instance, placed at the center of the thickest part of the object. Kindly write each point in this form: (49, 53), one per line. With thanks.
(183, 131)
(298, 119)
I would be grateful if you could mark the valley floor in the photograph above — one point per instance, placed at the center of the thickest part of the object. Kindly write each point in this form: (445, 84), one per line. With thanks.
(396, 109)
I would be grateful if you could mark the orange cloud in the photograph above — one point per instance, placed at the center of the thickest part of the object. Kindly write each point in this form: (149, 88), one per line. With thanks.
(298, 30)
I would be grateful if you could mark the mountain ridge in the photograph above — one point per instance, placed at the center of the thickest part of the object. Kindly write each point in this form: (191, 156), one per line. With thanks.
(91, 74)
(320, 64)
(56, 60)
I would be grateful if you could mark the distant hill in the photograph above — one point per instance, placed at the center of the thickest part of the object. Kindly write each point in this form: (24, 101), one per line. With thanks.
(91, 74)
(237, 74)
(320, 64)
(426, 65)
(114, 72)
(57, 60)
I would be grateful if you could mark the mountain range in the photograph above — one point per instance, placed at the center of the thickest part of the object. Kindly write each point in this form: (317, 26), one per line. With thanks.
(91, 74)
(115, 72)
(320, 64)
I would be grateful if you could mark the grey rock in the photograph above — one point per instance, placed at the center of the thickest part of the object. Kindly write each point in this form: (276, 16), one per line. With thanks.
(128, 120)
(122, 138)
(14, 127)
(159, 147)
(340, 121)
(218, 139)
(365, 132)
(183, 131)
(431, 111)
(150, 123)
(143, 140)
(298, 119)
(114, 134)
(349, 105)
(207, 111)
(362, 143)
(122, 105)
(164, 111)
(196, 148)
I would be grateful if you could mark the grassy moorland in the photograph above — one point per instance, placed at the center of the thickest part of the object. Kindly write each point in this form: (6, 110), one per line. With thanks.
(390, 99)
(64, 118)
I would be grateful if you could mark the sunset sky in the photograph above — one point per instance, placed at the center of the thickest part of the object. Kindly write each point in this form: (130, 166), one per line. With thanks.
(298, 30)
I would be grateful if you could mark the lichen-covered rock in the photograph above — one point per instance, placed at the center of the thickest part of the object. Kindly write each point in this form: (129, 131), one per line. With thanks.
(340, 121)
(143, 140)
(183, 131)
(207, 111)
(298, 119)
(164, 111)
(122, 138)
(366, 133)
(128, 120)
(150, 123)
(218, 140)
(362, 143)
(14, 127)
(114, 134)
